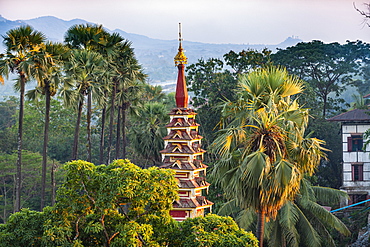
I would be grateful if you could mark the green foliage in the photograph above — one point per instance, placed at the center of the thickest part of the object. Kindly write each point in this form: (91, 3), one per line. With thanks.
(62, 122)
(212, 83)
(31, 164)
(117, 205)
(247, 60)
(8, 138)
(212, 231)
(209, 82)
(146, 135)
(23, 229)
(328, 69)
(329, 173)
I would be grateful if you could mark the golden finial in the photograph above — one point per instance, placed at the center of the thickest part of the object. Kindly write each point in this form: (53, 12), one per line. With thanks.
(180, 57)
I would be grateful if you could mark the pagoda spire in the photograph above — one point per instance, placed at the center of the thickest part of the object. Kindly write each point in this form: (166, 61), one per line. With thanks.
(181, 95)
(183, 151)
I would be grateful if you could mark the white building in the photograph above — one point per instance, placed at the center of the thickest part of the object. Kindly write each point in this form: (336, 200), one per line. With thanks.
(356, 161)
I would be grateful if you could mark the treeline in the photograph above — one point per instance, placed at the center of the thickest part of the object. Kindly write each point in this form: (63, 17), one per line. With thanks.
(329, 71)
(86, 87)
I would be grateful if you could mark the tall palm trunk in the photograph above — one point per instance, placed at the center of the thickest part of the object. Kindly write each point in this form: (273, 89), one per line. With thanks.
(77, 131)
(89, 126)
(118, 134)
(45, 145)
(124, 120)
(18, 184)
(102, 133)
(111, 119)
(53, 184)
(261, 227)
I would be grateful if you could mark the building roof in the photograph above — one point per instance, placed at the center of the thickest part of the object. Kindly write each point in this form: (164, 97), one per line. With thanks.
(182, 122)
(182, 148)
(182, 111)
(182, 135)
(197, 182)
(356, 115)
(199, 201)
(183, 165)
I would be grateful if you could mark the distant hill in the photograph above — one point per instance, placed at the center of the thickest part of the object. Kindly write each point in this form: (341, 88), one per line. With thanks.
(155, 55)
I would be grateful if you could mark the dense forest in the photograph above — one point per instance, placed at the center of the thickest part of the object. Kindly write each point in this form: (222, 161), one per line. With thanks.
(92, 104)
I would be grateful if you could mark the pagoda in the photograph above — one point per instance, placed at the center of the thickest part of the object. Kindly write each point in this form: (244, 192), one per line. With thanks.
(183, 152)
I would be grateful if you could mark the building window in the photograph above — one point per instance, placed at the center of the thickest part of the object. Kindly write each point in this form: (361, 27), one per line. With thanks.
(355, 143)
(357, 172)
(355, 198)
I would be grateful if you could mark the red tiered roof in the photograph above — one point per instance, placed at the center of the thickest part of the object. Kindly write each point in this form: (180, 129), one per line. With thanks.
(182, 148)
(182, 135)
(182, 122)
(193, 183)
(183, 165)
(199, 201)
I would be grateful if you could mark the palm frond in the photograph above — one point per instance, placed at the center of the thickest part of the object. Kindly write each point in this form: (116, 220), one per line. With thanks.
(311, 237)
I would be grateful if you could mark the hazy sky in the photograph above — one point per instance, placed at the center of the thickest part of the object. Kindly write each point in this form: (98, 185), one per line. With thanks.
(212, 21)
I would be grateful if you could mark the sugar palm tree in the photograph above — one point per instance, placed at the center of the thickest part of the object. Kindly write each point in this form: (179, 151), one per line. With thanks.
(109, 49)
(147, 136)
(92, 38)
(96, 38)
(86, 36)
(84, 67)
(262, 148)
(48, 75)
(128, 81)
(22, 44)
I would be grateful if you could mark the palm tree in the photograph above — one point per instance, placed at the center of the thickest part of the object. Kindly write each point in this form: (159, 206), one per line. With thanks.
(128, 81)
(48, 75)
(302, 222)
(359, 102)
(262, 148)
(153, 93)
(84, 68)
(22, 44)
(147, 136)
(92, 38)
(86, 36)
(112, 43)
(96, 38)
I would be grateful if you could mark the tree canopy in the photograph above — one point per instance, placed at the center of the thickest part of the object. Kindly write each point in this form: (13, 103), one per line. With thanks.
(328, 68)
(117, 205)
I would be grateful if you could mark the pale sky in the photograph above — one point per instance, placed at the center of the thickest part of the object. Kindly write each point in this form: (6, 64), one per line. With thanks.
(209, 21)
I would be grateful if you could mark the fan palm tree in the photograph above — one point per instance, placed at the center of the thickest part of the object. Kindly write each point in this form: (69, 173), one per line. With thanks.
(153, 93)
(112, 44)
(128, 81)
(301, 222)
(84, 67)
(86, 36)
(359, 102)
(147, 136)
(22, 44)
(96, 38)
(92, 38)
(262, 148)
(48, 76)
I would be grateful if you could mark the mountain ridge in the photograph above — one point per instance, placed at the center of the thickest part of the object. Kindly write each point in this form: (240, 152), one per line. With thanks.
(156, 55)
